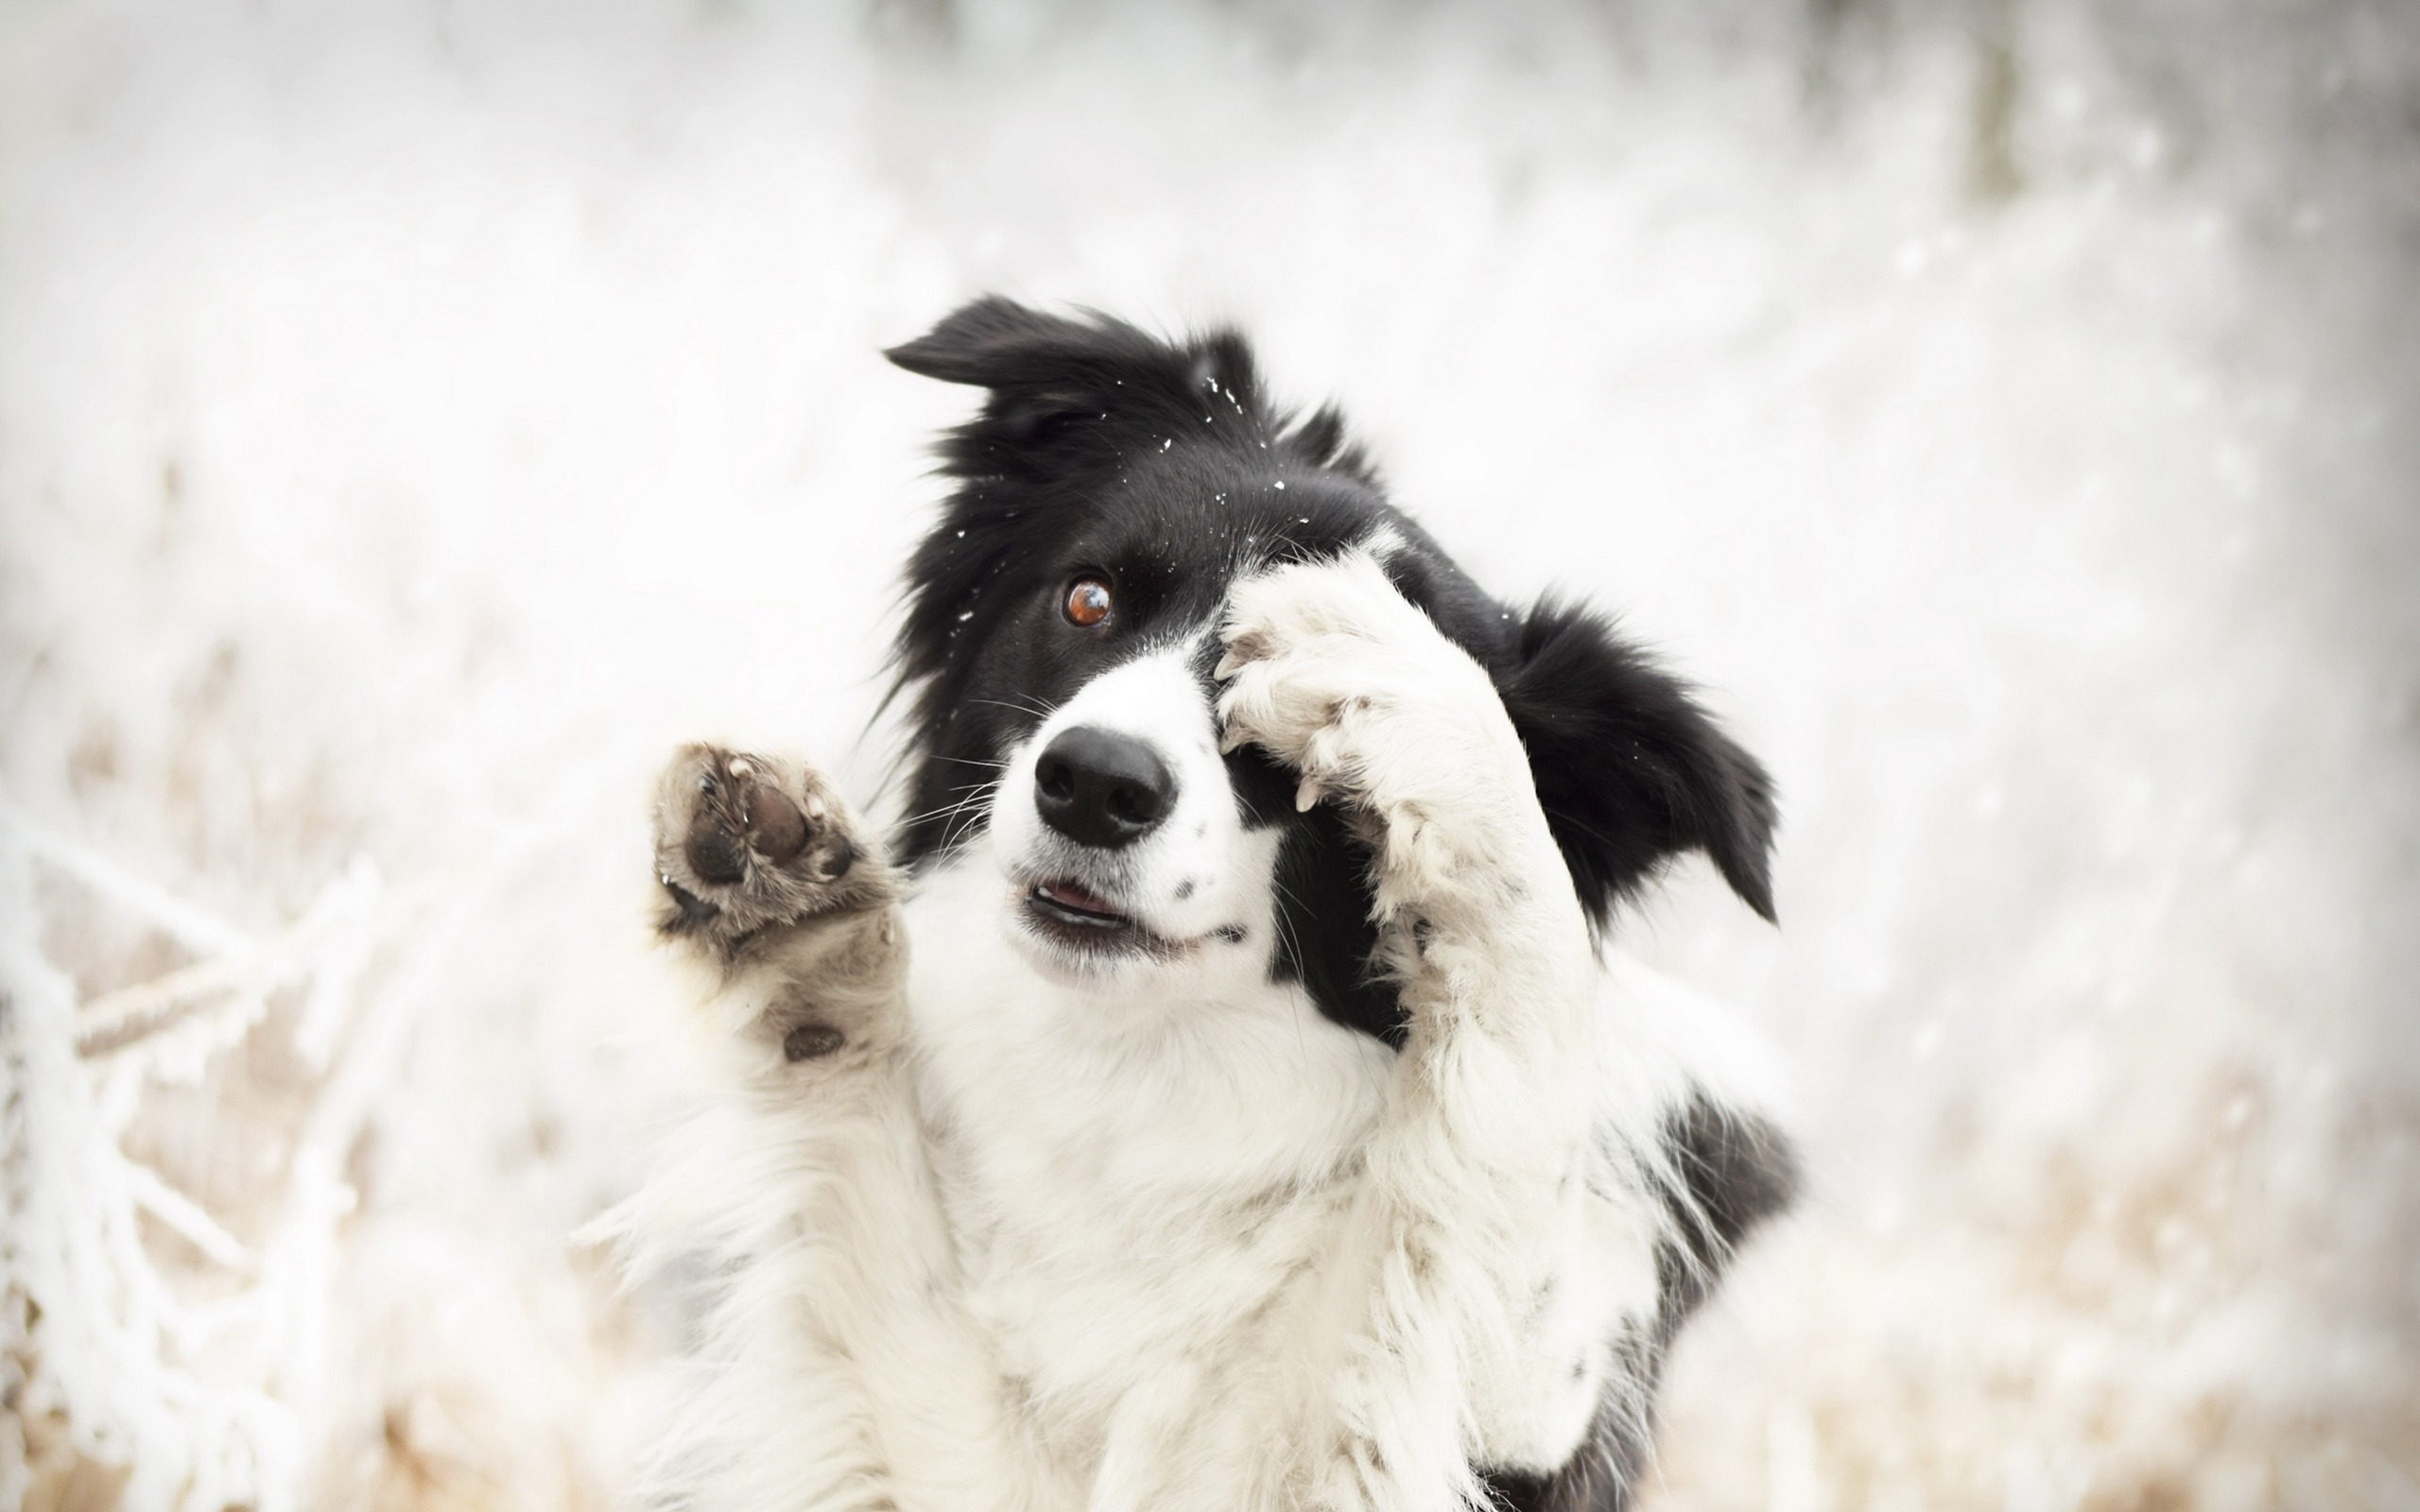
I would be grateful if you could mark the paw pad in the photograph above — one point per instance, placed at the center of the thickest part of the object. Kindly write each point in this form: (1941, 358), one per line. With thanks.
(811, 1041)
(775, 826)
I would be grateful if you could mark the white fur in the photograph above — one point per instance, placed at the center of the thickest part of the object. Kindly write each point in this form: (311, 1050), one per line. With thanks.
(1160, 1235)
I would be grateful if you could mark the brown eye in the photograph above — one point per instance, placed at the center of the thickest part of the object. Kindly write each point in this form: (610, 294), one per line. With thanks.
(1087, 601)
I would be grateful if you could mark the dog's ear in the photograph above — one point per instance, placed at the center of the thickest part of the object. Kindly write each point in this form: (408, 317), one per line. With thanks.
(1630, 770)
(1066, 392)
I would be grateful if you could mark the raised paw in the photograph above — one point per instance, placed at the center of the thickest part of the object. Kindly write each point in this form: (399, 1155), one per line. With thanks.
(746, 843)
(1334, 671)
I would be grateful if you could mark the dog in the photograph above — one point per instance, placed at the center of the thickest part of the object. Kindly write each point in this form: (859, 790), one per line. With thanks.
(1216, 1093)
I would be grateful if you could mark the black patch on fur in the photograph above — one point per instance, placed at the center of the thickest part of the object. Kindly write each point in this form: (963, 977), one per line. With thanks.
(1325, 936)
(811, 1041)
(1601, 1473)
(1101, 450)
(1733, 1171)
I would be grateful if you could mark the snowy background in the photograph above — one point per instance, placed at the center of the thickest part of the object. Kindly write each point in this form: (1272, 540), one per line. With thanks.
(414, 417)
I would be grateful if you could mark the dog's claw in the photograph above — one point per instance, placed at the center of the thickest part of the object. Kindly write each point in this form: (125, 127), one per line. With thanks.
(1307, 792)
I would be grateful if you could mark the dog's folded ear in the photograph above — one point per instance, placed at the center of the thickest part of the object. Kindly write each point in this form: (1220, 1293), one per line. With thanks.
(1630, 770)
(1068, 391)
(998, 343)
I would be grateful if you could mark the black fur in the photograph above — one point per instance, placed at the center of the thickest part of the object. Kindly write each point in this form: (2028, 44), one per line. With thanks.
(1599, 1476)
(1630, 770)
(1730, 1173)
(1733, 1173)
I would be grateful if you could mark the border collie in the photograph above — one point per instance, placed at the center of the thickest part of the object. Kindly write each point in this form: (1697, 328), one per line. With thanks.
(1214, 1095)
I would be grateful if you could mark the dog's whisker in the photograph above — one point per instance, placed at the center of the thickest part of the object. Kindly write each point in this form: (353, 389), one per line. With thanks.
(975, 799)
(1029, 706)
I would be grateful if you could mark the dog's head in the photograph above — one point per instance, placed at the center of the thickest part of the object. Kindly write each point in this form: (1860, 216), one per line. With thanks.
(1058, 648)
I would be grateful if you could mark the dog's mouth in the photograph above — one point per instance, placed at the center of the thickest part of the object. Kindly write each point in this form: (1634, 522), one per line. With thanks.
(1068, 903)
(1072, 916)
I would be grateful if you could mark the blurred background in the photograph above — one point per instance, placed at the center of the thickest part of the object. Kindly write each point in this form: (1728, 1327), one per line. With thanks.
(415, 416)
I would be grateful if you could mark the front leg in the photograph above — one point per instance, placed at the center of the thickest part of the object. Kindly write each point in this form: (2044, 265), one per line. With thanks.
(1463, 1227)
(838, 1372)
(1334, 671)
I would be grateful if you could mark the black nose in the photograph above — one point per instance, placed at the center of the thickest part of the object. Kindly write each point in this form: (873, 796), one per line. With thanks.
(1097, 788)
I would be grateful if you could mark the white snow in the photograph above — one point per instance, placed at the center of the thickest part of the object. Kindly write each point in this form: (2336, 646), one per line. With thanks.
(414, 419)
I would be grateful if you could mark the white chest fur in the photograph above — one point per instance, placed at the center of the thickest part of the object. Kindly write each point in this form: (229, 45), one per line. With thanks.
(1125, 1174)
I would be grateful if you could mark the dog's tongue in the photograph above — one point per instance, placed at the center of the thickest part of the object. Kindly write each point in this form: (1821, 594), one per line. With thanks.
(1075, 897)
